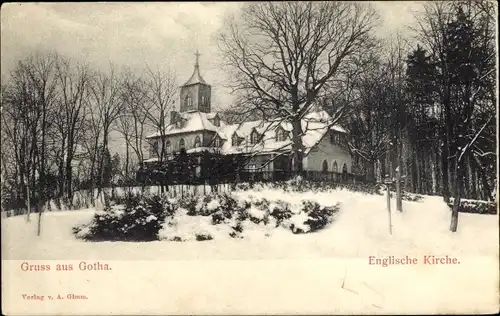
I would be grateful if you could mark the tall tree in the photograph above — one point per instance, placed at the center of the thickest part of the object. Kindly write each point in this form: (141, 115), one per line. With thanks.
(284, 55)
(161, 90)
(73, 89)
(459, 36)
(104, 108)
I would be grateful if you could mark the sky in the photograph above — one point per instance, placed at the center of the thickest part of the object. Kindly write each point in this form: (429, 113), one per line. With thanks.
(133, 34)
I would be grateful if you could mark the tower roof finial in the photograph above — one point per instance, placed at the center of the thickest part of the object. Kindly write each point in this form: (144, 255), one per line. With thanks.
(197, 54)
(196, 77)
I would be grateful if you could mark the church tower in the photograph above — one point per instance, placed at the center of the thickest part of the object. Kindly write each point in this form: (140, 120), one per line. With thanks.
(195, 93)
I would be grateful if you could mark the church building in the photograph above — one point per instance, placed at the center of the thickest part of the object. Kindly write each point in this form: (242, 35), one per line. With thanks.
(267, 144)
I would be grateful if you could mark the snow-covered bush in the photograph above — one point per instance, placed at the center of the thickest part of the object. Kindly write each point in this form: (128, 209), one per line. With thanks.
(190, 203)
(140, 219)
(280, 211)
(319, 216)
(411, 197)
(475, 206)
(302, 185)
(203, 236)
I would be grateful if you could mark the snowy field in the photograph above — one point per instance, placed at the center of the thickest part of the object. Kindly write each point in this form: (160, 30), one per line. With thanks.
(328, 269)
(361, 229)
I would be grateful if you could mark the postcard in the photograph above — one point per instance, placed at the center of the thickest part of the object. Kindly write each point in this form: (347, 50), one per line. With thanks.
(249, 158)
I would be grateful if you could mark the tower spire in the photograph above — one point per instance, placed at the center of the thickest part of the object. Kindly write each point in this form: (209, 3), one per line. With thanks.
(196, 77)
(197, 54)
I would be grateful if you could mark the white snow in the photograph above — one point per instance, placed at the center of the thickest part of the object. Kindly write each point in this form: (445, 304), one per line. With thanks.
(337, 254)
(257, 213)
(298, 221)
(213, 205)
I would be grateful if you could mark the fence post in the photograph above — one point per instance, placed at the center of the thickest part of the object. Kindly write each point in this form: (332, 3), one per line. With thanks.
(389, 207)
(29, 206)
(399, 200)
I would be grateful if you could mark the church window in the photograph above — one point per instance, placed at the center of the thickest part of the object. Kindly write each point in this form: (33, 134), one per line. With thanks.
(235, 140)
(280, 134)
(254, 137)
(202, 100)
(154, 148)
(186, 101)
(217, 141)
(182, 143)
(216, 121)
(168, 146)
(325, 166)
(335, 168)
(344, 168)
(197, 142)
(335, 138)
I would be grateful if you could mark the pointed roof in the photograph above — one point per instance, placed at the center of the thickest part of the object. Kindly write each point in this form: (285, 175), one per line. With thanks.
(196, 77)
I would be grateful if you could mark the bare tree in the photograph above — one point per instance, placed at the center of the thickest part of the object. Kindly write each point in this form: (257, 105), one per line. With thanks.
(161, 89)
(284, 55)
(132, 123)
(460, 38)
(104, 108)
(73, 87)
(29, 108)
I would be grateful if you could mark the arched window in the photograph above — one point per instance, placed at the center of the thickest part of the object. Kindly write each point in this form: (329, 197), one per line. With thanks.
(234, 140)
(186, 101)
(325, 166)
(190, 101)
(217, 141)
(154, 149)
(168, 146)
(335, 168)
(182, 143)
(254, 137)
(344, 172)
(202, 100)
(197, 142)
(280, 134)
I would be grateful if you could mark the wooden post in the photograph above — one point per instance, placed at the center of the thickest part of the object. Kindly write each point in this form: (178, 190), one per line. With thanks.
(29, 202)
(399, 199)
(39, 226)
(389, 207)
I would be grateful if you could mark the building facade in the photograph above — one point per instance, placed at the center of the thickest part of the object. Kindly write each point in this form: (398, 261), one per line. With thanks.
(266, 144)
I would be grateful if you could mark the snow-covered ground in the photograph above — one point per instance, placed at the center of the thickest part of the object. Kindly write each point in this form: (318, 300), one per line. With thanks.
(359, 231)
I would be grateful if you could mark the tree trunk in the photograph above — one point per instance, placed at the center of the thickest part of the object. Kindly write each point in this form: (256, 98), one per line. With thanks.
(127, 160)
(433, 174)
(473, 181)
(297, 147)
(456, 196)
(29, 205)
(444, 171)
(418, 181)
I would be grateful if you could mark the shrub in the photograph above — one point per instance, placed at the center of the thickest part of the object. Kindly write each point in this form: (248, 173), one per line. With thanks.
(191, 204)
(228, 206)
(280, 211)
(139, 220)
(475, 207)
(217, 218)
(296, 185)
(319, 216)
(312, 217)
(203, 236)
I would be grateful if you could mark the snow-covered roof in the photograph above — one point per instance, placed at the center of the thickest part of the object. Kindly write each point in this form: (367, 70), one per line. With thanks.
(314, 125)
(192, 122)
